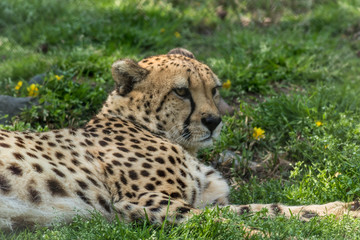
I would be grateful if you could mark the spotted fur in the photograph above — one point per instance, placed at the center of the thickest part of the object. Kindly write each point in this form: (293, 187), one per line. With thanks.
(135, 159)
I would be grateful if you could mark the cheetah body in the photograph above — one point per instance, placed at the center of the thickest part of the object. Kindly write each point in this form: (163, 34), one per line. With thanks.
(58, 178)
(124, 159)
(135, 159)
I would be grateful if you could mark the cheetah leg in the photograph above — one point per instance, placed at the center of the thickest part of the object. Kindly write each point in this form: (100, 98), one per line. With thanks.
(305, 212)
(156, 207)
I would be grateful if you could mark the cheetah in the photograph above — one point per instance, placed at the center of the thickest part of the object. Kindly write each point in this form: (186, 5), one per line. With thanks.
(135, 159)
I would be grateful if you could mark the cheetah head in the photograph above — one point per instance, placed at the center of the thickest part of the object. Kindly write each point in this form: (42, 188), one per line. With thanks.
(172, 95)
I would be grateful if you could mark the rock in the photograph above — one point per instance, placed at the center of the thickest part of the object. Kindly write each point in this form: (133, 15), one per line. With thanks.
(13, 106)
(230, 158)
(225, 108)
(38, 79)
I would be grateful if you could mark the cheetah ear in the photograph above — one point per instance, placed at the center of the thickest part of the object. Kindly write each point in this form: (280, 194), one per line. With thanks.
(182, 51)
(126, 73)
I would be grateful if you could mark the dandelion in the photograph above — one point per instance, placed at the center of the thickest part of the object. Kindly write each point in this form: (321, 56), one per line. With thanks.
(162, 30)
(258, 133)
(18, 85)
(59, 77)
(326, 146)
(227, 84)
(33, 90)
(318, 123)
(177, 35)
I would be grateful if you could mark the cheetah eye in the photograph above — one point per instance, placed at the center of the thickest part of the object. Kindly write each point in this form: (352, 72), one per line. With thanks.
(215, 91)
(182, 92)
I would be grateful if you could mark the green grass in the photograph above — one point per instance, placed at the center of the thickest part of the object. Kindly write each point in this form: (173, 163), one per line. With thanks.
(204, 226)
(301, 68)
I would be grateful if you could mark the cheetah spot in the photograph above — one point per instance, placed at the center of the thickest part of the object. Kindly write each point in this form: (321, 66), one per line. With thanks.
(56, 188)
(308, 214)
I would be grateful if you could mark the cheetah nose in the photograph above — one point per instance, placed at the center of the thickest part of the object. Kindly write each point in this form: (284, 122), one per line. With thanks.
(211, 122)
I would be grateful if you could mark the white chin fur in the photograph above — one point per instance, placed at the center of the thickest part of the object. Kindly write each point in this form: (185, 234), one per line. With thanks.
(217, 131)
(210, 141)
(203, 142)
(206, 143)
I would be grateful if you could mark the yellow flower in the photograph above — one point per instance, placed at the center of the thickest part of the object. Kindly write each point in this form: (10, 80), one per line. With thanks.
(177, 35)
(326, 146)
(58, 77)
(162, 30)
(318, 123)
(258, 133)
(227, 84)
(33, 90)
(18, 85)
